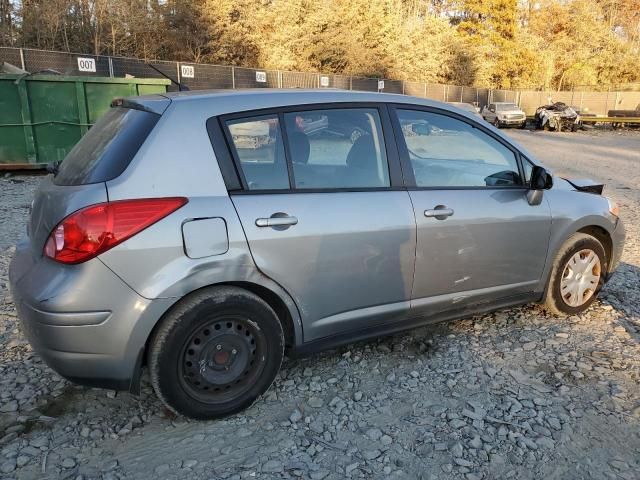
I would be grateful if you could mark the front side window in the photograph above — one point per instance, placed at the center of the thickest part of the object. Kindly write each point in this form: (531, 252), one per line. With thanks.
(337, 148)
(257, 142)
(527, 168)
(446, 152)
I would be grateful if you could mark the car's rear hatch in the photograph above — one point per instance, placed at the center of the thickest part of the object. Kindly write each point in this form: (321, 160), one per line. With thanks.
(101, 155)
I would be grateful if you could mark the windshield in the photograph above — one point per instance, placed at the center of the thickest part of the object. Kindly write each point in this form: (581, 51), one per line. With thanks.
(502, 107)
(107, 148)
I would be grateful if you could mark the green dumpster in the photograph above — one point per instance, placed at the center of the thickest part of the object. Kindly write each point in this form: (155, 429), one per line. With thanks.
(43, 116)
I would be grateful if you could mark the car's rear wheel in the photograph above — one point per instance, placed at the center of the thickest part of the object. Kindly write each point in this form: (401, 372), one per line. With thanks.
(215, 352)
(577, 275)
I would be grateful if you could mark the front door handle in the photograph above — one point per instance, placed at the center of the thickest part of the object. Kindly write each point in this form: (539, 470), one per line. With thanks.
(440, 212)
(273, 221)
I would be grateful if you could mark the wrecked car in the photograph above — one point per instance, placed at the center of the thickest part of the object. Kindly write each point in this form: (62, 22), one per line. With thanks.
(557, 117)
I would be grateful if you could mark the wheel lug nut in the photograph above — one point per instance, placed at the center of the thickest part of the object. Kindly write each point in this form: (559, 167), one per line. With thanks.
(234, 351)
(218, 347)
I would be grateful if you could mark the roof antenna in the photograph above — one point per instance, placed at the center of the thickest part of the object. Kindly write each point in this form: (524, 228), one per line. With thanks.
(181, 87)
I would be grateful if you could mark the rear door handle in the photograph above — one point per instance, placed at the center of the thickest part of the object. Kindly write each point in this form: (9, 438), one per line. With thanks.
(439, 213)
(276, 221)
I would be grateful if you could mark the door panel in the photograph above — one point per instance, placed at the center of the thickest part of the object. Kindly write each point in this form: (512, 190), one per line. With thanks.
(493, 245)
(347, 252)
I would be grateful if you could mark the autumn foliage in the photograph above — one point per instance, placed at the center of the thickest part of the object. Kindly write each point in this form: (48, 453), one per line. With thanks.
(556, 44)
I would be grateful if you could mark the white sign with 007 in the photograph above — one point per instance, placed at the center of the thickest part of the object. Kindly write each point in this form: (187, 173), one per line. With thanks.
(87, 64)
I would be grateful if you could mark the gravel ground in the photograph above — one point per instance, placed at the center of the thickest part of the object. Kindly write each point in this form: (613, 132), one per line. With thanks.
(513, 394)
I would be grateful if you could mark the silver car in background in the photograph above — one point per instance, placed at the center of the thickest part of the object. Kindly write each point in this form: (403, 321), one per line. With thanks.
(203, 235)
(504, 114)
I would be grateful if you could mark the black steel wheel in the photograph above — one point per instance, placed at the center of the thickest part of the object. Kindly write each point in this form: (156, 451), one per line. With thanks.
(215, 352)
(222, 358)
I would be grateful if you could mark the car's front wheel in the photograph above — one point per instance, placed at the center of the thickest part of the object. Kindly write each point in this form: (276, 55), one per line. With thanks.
(215, 352)
(496, 123)
(577, 275)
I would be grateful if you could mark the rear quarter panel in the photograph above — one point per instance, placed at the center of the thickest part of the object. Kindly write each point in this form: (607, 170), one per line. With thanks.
(178, 160)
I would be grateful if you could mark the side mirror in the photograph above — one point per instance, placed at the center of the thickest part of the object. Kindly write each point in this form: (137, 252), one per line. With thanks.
(540, 180)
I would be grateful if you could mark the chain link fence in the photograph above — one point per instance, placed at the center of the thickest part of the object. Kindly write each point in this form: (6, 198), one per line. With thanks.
(197, 76)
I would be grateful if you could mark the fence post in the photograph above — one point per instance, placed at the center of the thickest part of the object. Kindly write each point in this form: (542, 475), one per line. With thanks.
(22, 59)
(178, 72)
(425, 89)
(581, 98)
(403, 87)
(233, 77)
(350, 82)
(279, 79)
(110, 66)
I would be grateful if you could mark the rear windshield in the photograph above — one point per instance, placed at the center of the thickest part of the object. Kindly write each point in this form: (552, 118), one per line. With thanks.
(107, 148)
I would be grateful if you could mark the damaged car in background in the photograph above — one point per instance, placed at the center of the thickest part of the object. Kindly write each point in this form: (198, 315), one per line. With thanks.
(557, 117)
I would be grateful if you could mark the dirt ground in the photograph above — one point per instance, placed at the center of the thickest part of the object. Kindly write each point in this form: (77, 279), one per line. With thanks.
(513, 394)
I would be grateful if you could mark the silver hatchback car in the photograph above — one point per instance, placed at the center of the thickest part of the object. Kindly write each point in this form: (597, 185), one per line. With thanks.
(206, 234)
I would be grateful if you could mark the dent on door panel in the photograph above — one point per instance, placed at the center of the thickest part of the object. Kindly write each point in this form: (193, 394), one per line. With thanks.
(349, 251)
(494, 245)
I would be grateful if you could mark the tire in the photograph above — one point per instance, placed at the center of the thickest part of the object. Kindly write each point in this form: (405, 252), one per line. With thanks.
(496, 123)
(215, 352)
(592, 280)
(523, 126)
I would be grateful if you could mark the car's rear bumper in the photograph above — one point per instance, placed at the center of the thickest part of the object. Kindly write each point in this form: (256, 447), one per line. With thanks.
(85, 322)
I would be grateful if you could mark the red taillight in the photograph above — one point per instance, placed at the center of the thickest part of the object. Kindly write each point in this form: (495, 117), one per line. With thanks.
(95, 229)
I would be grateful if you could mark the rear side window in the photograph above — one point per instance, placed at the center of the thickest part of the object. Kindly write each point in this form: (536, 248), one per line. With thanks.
(337, 148)
(107, 148)
(259, 149)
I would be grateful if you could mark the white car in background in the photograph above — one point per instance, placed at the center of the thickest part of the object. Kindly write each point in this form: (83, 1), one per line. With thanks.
(503, 114)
